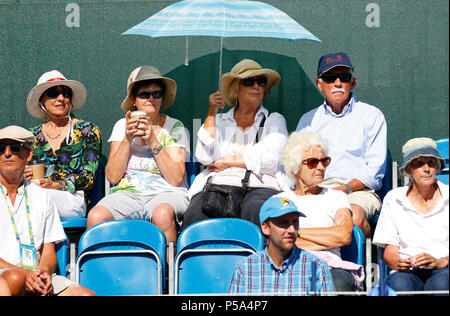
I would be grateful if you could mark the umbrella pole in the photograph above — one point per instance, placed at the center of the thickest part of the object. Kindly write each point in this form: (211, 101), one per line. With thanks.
(220, 61)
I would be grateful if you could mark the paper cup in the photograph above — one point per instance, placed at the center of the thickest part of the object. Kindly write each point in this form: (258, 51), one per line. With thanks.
(38, 168)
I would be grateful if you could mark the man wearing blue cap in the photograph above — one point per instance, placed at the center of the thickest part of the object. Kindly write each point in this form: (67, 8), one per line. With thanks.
(281, 268)
(357, 137)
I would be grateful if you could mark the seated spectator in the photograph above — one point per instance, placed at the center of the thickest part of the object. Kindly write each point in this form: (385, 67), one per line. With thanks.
(229, 143)
(356, 135)
(414, 222)
(69, 147)
(328, 223)
(297, 272)
(147, 158)
(30, 225)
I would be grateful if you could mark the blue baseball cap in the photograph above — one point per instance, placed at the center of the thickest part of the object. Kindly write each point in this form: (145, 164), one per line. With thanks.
(277, 206)
(330, 61)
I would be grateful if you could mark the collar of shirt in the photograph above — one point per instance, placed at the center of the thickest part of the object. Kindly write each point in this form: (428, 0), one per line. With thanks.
(288, 263)
(347, 109)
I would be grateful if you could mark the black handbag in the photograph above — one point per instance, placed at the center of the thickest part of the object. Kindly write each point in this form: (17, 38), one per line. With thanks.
(219, 201)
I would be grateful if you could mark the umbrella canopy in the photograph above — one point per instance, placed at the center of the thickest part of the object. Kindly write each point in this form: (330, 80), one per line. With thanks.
(221, 18)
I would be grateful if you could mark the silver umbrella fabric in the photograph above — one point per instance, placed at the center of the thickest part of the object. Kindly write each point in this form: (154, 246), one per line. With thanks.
(221, 18)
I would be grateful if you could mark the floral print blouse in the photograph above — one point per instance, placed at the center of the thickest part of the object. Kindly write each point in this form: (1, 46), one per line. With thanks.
(74, 164)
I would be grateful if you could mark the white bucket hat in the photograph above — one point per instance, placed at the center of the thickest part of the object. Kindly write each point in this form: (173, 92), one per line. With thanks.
(420, 147)
(51, 79)
(150, 73)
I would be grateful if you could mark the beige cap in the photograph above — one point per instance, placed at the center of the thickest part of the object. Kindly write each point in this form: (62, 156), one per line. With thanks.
(17, 133)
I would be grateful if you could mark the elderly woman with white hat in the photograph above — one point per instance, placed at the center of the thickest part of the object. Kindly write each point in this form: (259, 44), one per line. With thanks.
(147, 157)
(232, 146)
(69, 147)
(414, 222)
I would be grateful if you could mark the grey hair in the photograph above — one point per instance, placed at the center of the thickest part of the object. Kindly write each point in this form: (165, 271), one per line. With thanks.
(297, 144)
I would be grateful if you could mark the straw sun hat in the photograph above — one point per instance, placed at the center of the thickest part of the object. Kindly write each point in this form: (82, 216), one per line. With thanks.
(51, 79)
(150, 73)
(247, 68)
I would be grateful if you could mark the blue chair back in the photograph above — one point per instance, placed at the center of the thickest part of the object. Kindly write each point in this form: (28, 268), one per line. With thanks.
(61, 250)
(442, 147)
(97, 191)
(191, 169)
(208, 251)
(125, 257)
(354, 251)
(386, 183)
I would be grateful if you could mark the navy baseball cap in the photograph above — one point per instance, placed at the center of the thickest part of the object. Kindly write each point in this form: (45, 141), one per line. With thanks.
(330, 61)
(277, 206)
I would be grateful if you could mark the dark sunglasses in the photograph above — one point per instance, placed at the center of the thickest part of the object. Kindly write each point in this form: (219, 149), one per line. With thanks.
(54, 93)
(249, 82)
(431, 162)
(14, 147)
(146, 94)
(313, 162)
(331, 78)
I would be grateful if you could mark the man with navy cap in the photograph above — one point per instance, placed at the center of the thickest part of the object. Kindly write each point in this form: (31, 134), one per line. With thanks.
(281, 268)
(357, 137)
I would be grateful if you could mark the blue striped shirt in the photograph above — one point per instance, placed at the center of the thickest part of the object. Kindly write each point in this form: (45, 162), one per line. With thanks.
(258, 274)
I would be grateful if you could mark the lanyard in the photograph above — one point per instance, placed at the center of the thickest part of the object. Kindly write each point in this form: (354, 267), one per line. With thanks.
(27, 206)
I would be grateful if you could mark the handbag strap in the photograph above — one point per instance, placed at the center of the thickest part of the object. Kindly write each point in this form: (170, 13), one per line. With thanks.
(246, 179)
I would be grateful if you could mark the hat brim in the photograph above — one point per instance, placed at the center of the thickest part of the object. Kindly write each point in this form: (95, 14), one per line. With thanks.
(273, 78)
(427, 152)
(168, 97)
(79, 95)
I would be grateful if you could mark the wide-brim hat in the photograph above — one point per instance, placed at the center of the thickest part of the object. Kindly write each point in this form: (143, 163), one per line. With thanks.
(51, 79)
(150, 73)
(420, 147)
(247, 68)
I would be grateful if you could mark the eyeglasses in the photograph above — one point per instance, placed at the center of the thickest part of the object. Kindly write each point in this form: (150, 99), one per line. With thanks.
(331, 77)
(313, 162)
(54, 93)
(146, 94)
(249, 82)
(420, 162)
(14, 147)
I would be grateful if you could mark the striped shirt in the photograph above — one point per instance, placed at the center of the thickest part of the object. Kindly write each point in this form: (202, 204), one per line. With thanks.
(301, 274)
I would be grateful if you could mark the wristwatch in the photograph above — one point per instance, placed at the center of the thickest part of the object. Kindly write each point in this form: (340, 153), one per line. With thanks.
(156, 150)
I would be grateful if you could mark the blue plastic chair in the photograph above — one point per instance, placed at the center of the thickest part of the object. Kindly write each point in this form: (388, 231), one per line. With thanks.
(191, 169)
(208, 251)
(442, 147)
(354, 251)
(125, 257)
(61, 250)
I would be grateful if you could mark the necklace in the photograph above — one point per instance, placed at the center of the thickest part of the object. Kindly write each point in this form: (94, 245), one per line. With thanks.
(53, 137)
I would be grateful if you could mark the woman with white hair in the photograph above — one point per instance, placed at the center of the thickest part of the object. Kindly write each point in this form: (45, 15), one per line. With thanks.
(328, 223)
(69, 147)
(414, 222)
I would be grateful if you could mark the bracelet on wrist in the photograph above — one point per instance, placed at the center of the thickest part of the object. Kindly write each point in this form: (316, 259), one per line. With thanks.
(348, 188)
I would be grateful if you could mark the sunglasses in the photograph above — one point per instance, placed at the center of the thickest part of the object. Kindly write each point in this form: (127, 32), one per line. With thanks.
(431, 162)
(249, 82)
(14, 147)
(313, 162)
(331, 78)
(146, 94)
(54, 93)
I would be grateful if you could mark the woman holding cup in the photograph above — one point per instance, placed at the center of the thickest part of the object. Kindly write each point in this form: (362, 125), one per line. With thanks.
(69, 147)
(147, 157)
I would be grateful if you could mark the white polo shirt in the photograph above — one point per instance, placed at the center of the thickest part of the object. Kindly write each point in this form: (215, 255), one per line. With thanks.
(45, 222)
(400, 224)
